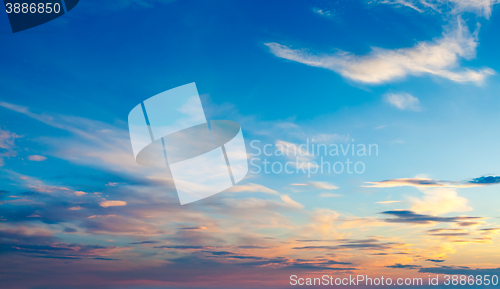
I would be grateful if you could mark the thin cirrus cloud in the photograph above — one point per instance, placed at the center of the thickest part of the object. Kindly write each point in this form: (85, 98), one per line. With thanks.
(318, 185)
(403, 101)
(250, 187)
(287, 200)
(329, 195)
(437, 58)
(480, 7)
(322, 186)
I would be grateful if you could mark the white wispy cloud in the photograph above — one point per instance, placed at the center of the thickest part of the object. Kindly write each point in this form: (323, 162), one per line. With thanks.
(324, 185)
(439, 57)
(403, 101)
(329, 195)
(250, 187)
(480, 7)
(322, 12)
(387, 202)
(294, 204)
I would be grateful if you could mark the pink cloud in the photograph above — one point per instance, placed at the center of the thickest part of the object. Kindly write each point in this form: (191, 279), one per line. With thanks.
(36, 158)
(106, 204)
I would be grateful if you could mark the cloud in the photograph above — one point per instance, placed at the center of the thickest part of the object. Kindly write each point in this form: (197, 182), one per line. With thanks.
(145, 242)
(324, 185)
(411, 182)
(229, 223)
(420, 182)
(294, 151)
(387, 202)
(400, 266)
(282, 262)
(406, 216)
(106, 204)
(403, 101)
(318, 185)
(485, 180)
(462, 270)
(92, 143)
(453, 7)
(437, 58)
(329, 195)
(480, 7)
(7, 139)
(7, 144)
(193, 228)
(448, 232)
(21, 242)
(440, 196)
(291, 202)
(439, 201)
(469, 224)
(406, 3)
(435, 260)
(36, 158)
(250, 187)
(328, 138)
(347, 244)
(259, 188)
(322, 12)
(490, 231)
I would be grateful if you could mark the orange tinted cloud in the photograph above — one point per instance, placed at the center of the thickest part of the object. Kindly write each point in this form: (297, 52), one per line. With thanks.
(106, 204)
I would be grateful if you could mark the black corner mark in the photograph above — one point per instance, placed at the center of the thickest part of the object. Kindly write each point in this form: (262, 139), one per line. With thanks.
(70, 4)
(26, 14)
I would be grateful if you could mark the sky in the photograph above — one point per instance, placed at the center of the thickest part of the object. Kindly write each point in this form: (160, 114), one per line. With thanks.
(415, 80)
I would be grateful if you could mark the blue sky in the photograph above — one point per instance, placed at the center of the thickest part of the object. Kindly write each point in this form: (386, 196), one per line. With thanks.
(418, 78)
